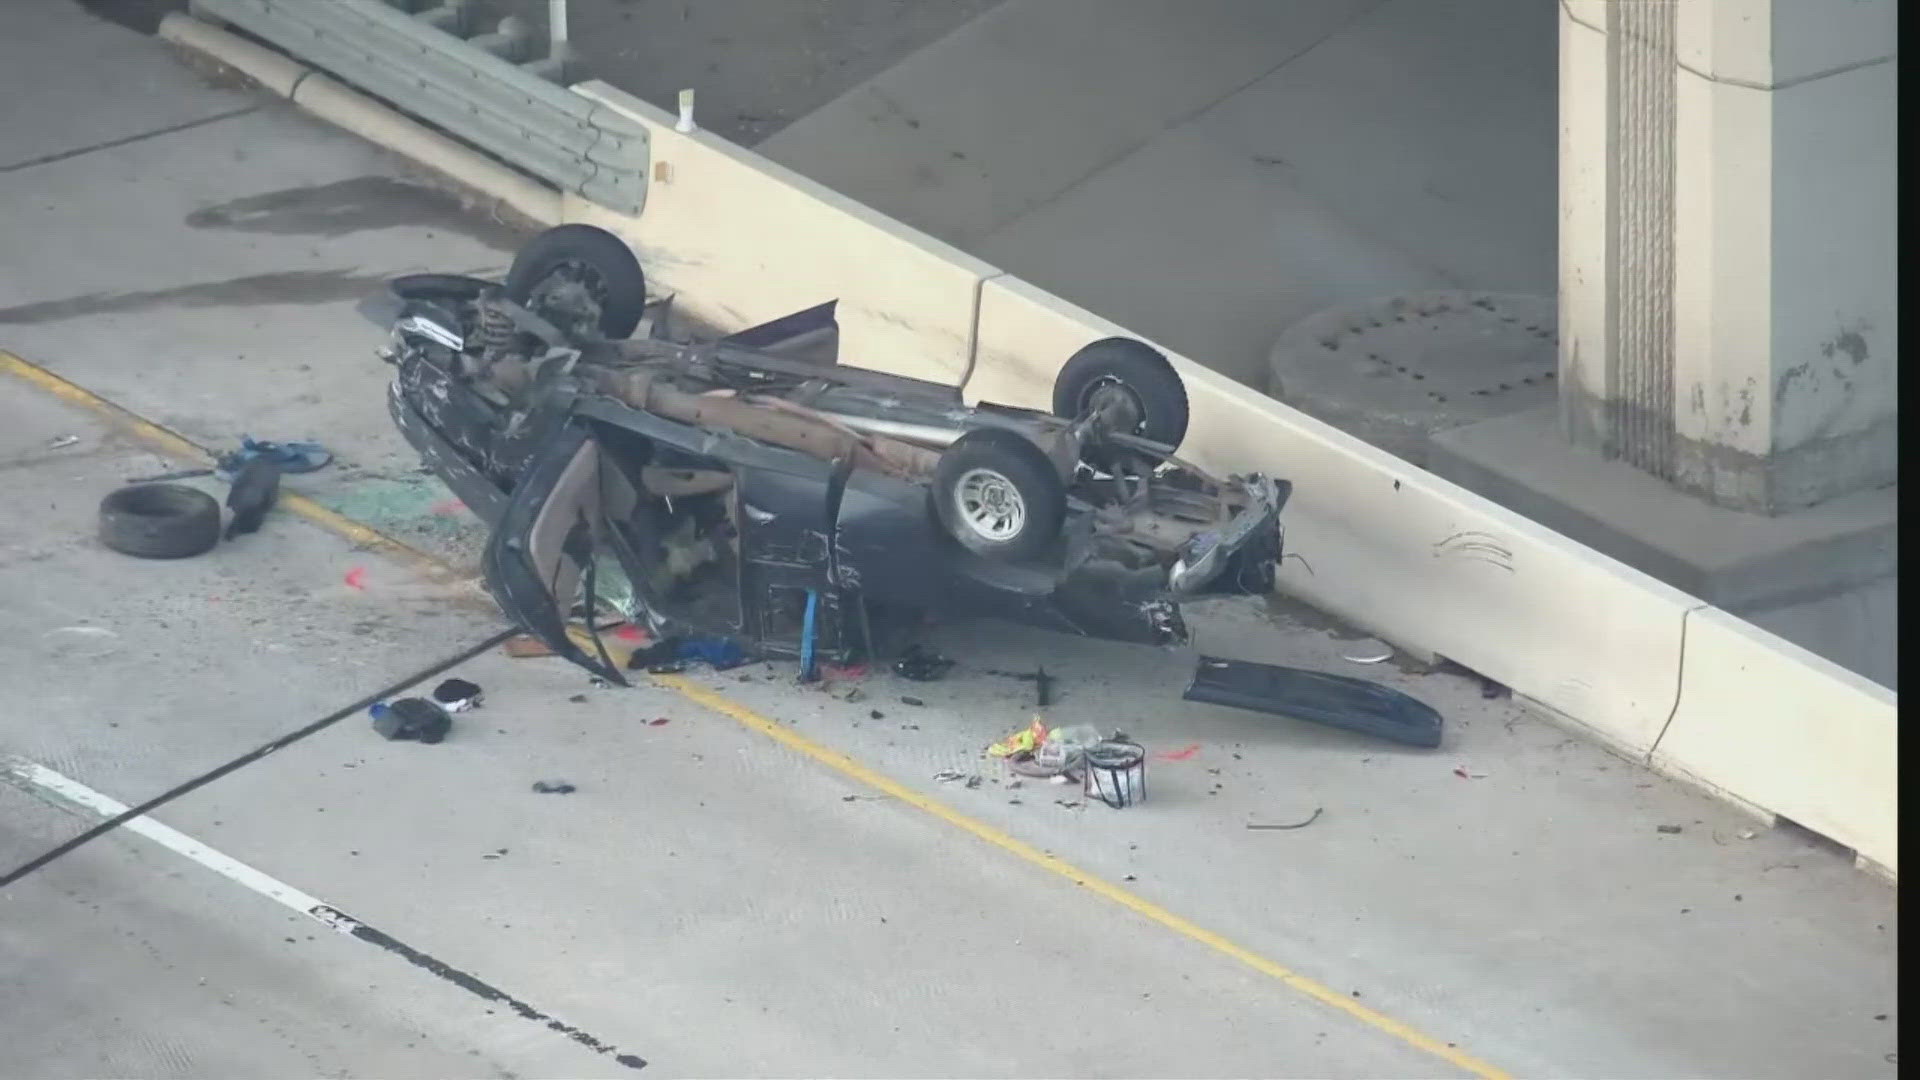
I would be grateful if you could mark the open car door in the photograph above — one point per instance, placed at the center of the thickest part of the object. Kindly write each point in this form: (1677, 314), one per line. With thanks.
(540, 562)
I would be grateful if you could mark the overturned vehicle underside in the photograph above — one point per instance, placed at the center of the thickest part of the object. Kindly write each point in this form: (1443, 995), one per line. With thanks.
(753, 487)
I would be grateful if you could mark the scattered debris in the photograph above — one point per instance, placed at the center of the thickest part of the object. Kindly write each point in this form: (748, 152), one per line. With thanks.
(524, 646)
(1025, 741)
(291, 457)
(61, 442)
(719, 653)
(1464, 773)
(657, 721)
(553, 787)
(178, 474)
(256, 487)
(1369, 651)
(948, 776)
(81, 642)
(922, 664)
(356, 578)
(410, 719)
(1117, 771)
(1181, 754)
(1043, 683)
(1061, 752)
(578, 699)
(458, 695)
(1746, 834)
(1071, 804)
(876, 714)
(914, 701)
(853, 694)
(1311, 818)
(1670, 830)
(669, 656)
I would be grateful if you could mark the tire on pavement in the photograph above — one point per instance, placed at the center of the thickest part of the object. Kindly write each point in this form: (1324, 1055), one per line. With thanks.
(159, 521)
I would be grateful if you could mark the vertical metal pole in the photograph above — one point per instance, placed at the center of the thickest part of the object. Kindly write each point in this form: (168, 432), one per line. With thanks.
(557, 28)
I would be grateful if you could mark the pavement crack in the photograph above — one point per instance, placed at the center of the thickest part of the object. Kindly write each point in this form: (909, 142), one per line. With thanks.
(48, 159)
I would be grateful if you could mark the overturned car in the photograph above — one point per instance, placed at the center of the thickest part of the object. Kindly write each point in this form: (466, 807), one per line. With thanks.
(755, 487)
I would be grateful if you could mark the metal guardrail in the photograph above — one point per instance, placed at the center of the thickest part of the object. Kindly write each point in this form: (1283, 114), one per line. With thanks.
(469, 88)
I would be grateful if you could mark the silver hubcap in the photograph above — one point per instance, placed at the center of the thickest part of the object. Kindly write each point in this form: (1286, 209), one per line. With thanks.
(990, 505)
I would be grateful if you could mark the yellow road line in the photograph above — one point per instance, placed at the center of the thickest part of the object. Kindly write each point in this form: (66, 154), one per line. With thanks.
(178, 445)
(174, 444)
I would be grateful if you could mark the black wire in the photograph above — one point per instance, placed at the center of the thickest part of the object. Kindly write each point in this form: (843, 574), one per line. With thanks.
(251, 756)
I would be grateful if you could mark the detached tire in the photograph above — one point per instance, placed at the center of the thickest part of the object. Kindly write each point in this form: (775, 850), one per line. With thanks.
(1140, 371)
(999, 496)
(159, 521)
(581, 279)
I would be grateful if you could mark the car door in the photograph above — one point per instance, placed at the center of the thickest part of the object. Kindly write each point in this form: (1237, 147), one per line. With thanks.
(540, 561)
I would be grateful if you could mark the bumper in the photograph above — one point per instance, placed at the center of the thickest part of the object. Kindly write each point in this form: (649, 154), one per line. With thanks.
(1240, 555)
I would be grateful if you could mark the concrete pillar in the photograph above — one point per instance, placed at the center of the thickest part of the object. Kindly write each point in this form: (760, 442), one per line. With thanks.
(1727, 243)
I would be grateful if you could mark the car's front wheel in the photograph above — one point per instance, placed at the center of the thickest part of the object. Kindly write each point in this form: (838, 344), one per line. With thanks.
(998, 495)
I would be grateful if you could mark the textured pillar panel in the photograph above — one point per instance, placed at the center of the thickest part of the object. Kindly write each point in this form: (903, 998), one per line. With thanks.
(1640, 84)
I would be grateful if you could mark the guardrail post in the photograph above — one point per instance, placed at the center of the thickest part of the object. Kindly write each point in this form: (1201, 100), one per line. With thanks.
(508, 41)
(449, 16)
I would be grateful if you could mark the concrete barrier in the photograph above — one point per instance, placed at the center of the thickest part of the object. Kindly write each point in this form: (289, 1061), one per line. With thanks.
(1787, 732)
(1649, 670)
(740, 240)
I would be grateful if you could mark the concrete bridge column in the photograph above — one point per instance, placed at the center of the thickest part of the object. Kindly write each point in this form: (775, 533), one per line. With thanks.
(1727, 243)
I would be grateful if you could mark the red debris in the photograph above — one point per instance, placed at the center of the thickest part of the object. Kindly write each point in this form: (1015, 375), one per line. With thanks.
(630, 632)
(1181, 754)
(656, 721)
(356, 578)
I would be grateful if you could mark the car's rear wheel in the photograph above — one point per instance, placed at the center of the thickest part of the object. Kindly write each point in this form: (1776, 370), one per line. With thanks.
(583, 280)
(1132, 377)
(998, 495)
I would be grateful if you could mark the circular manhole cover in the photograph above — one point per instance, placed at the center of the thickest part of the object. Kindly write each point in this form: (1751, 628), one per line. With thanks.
(1395, 370)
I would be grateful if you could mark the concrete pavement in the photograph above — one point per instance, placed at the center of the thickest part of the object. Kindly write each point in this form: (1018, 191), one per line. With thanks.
(1208, 174)
(1511, 894)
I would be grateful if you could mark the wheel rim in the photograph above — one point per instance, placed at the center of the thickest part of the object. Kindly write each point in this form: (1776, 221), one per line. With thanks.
(990, 505)
(571, 297)
(1102, 390)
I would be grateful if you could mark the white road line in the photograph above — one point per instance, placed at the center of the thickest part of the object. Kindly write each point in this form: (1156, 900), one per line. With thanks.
(45, 783)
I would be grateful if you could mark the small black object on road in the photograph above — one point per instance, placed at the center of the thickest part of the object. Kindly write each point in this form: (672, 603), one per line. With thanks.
(922, 664)
(411, 719)
(256, 486)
